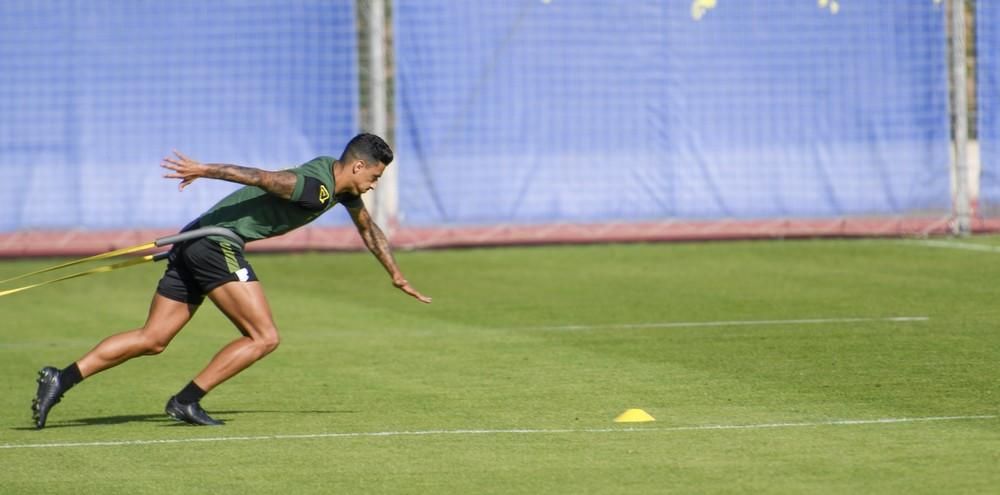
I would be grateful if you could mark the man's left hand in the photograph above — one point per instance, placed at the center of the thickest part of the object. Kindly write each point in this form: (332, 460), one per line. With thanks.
(404, 286)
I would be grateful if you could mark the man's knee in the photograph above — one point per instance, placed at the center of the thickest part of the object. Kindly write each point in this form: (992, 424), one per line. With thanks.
(152, 345)
(267, 339)
(271, 342)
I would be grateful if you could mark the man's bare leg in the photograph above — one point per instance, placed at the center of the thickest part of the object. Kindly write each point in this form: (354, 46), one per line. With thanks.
(246, 306)
(166, 317)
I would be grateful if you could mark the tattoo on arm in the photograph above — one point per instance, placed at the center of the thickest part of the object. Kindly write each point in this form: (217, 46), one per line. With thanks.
(281, 184)
(375, 240)
(379, 246)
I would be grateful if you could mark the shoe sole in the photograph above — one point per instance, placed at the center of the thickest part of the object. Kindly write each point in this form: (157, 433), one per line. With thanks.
(176, 418)
(180, 419)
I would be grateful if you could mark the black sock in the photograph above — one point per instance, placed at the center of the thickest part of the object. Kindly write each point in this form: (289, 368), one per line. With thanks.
(70, 376)
(191, 393)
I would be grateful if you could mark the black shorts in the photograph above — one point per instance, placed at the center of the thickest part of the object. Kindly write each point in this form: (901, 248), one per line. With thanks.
(196, 267)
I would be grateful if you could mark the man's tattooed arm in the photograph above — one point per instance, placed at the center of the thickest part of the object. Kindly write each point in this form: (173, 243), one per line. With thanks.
(281, 184)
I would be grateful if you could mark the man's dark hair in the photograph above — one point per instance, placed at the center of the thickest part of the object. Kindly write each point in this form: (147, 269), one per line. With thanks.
(367, 147)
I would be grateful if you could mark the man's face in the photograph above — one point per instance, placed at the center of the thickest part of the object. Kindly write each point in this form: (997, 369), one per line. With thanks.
(365, 177)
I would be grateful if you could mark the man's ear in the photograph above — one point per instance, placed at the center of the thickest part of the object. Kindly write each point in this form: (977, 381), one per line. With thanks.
(358, 165)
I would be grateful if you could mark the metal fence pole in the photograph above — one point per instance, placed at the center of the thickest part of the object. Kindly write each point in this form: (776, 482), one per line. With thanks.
(962, 224)
(385, 197)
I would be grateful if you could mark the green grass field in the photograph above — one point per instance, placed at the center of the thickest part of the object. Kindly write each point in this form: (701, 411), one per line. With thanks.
(769, 367)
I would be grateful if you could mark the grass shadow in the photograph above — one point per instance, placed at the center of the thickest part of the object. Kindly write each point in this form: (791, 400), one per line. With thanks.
(162, 419)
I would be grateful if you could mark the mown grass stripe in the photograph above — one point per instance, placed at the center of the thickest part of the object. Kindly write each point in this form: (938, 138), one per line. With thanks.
(731, 323)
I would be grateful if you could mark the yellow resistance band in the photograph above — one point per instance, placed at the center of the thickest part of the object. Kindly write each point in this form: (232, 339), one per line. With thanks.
(109, 254)
(100, 269)
(163, 241)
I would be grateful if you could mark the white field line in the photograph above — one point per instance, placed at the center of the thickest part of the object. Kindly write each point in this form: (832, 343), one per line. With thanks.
(731, 323)
(517, 431)
(967, 246)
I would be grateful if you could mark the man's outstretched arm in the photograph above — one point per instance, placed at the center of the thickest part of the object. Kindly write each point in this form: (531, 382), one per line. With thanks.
(281, 184)
(379, 246)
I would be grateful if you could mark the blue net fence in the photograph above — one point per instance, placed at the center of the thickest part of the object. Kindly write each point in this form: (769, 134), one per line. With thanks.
(94, 93)
(988, 96)
(515, 113)
(582, 111)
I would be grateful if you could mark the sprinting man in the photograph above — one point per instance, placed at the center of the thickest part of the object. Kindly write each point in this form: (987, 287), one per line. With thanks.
(270, 204)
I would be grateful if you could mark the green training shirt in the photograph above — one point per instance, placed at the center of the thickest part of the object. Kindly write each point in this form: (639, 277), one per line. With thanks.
(254, 214)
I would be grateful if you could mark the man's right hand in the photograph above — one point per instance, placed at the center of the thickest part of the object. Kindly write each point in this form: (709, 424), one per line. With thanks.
(184, 168)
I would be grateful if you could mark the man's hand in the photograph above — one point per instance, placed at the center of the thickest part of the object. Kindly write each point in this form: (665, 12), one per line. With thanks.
(379, 246)
(185, 169)
(404, 286)
(280, 184)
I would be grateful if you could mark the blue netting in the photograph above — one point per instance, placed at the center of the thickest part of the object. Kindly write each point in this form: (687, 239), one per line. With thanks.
(539, 111)
(988, 67)
(94, 93)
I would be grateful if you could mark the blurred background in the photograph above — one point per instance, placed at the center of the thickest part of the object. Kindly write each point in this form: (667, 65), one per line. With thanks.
(521, 121)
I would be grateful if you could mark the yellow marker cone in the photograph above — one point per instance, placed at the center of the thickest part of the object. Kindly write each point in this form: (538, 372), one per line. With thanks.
(634, 416)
